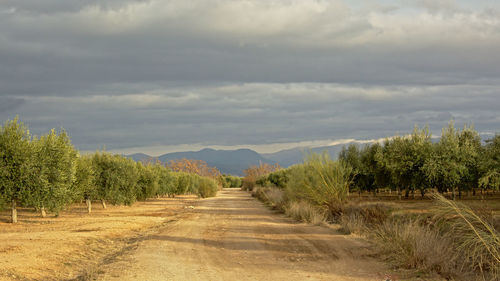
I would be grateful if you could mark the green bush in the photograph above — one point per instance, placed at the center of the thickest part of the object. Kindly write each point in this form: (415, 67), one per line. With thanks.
(116, 178)
(229, 181)
(147, 182)
(322, 182)
(207, 187)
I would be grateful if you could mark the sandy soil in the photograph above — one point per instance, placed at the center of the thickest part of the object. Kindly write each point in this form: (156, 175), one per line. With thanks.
(230, 237)
(234, 237)
(77, 244)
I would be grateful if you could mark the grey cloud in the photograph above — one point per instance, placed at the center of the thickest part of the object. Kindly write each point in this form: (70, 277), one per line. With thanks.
(59, 54)
(145, 73)
(9, 104)
(233, 114)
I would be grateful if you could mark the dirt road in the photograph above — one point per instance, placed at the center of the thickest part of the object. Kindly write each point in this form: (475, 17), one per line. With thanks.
(235, 237)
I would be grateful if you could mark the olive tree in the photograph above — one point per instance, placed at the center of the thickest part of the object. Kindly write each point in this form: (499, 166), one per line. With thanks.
(446, 166)
(15, 163)
(489, 164)
(55, 160)
(84, 186)
(116, 178)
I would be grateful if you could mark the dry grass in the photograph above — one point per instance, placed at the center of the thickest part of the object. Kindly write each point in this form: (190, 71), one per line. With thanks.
(450, 239)
(276, 198)
(411, 245)
(305, 212)
(75, 244)
(298, 210)
(475, 239)
(360, 217)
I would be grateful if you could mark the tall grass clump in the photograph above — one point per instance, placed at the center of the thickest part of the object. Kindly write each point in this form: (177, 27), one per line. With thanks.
(361, 217)
(407, 243)
(271, 196)
(475, 240)
(305, 212)
(322, 182)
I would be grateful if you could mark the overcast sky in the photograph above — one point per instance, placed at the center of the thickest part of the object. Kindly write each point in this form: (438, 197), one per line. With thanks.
(160, 76)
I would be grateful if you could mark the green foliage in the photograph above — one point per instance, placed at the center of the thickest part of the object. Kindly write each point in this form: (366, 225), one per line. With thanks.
(15, 161)
(48, 173)
(147, 183)
(229, 181)
(185, 183)
(321, 181)
(279, 178)
(84, 186)
(207, 187)
(458, 162)
(56, 162)
(116, 178)
(489, 165)
(167, 181)
(405, 157)
(446, 165)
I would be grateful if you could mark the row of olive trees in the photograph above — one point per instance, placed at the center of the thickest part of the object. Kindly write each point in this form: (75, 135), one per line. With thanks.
(229, 181)
(47, 173)
(459, 162)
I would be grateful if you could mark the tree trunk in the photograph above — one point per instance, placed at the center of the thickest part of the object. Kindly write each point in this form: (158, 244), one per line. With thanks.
(103, 203)
(89, 205)
(43, 212)
(407, 193)
(459, 194)
(453, 193)
(473, 192)
(399, 193)
(14, 212)
(422, 192)
(413, 194)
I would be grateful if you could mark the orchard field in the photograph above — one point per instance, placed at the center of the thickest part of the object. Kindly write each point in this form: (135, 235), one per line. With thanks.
(429, 206)
(409, 208)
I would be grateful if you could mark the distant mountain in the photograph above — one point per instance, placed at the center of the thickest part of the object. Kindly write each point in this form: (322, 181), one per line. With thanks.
(296, 155)
(227, 161)
(139, 157)
(235, 161)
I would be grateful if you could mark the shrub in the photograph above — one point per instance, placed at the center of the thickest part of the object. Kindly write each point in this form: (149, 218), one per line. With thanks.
(411, 245)
(147, 183)
(254, 173)
(229, 181)
(272, 196)
(207, 187)
(305, 212)
(322, 182)
(276, 198)
(116, 178)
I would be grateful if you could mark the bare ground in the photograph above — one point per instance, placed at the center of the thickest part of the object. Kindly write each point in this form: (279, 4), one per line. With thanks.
(234, 237)
(76, 244)
(229, 237)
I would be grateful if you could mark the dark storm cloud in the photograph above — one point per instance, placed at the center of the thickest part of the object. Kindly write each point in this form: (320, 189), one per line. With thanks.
(143, 73)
